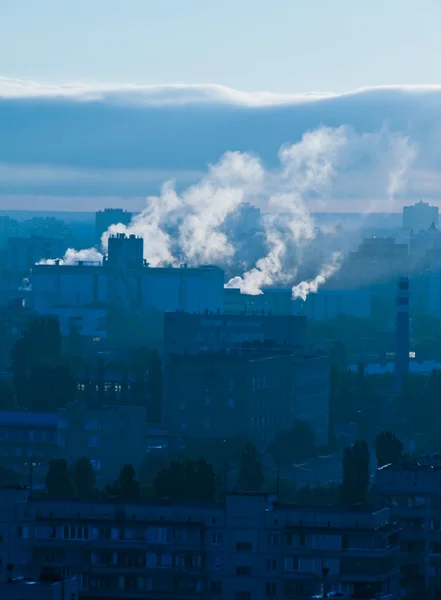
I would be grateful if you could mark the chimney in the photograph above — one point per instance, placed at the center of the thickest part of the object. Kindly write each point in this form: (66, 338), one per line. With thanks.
(402, 332)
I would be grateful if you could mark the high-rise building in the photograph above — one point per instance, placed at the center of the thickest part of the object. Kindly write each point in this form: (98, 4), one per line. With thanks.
(107, 217)
(420, 216)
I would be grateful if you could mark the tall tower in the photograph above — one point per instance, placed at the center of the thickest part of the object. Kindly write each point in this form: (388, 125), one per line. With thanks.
(402, 332)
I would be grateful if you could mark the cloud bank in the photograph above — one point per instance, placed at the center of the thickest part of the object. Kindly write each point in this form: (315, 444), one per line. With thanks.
(123, 141)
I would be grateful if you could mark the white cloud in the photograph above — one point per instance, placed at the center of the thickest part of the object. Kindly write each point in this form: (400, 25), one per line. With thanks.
(179, 94)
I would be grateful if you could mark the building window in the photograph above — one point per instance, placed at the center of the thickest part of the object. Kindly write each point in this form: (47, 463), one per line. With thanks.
(207, 424)
(243, 571)
(243, 595)
(94, 441)
(230, 402)
(217, 562)
(271, 564)
(63, 424)
(92, 424)
(273, 539)
(216, 538)
(244, 547)
(270, 589)
(216, 587)
(207, 401)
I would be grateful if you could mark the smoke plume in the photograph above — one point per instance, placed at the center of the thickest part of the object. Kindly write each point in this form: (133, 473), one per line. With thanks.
(304, 288)
(72, 257)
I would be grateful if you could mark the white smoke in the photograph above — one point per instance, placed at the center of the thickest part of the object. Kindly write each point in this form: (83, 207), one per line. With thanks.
(190, 226)
(72, 257)
(304, 288)
(149, 224)
(307, 167)
(198, 214)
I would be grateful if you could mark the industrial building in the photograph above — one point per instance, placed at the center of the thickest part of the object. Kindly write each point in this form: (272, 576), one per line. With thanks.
(330, 304)
(124, 279)
(249, 547)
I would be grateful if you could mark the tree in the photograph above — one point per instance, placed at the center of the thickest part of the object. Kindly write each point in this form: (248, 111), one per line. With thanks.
(189, 481)
(8, 476)
(7, 397)
(251, 475)
(84, 477)
(388, 449)
(356, 473)
(127, 487)
(40, 379)
(297, 443)
(59, 483)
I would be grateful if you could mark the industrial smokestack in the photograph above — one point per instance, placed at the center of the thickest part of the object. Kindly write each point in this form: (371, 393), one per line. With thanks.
(402, 332)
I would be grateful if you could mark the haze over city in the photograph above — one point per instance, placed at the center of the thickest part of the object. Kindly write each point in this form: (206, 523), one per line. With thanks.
(220, 300)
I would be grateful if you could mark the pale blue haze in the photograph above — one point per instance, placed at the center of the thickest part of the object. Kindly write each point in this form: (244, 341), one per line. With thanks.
(275, 45)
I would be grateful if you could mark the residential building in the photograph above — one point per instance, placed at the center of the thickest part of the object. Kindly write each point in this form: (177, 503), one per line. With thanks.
(247, 547)
(420, 216)
(48, 586)
(412, 493)
(10, 496)
(28, 438)
(108, 217)
(252, 392)
(110, 436)
(186, 333)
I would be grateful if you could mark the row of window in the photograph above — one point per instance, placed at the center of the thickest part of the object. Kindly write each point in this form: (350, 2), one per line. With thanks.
(19, 451)
(24, 435)
(153, 535)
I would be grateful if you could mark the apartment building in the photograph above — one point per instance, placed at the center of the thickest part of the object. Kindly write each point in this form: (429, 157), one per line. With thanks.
(110, 436)
(28, 438)
(254, 392)
(413, 495)
(247, 548)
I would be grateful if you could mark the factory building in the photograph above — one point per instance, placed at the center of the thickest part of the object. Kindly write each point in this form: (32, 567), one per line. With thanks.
(330, 304)
(125, 280)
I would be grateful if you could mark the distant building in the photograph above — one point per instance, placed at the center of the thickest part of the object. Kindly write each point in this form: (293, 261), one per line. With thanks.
(25, 438)
(107, 217)
(330, 304)
(125, 280)
(191, 333)
(378, 259)
(10, 496)
(253, 393)
(247, 548)
(272, 301)
(110, 436)
(22, 253)
(413, 494)
(420, 216)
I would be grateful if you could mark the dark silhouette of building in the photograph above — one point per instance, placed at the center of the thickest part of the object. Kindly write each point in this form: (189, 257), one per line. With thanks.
(402, 332)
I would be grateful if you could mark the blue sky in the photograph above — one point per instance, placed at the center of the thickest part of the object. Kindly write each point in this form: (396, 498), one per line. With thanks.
(286, 46)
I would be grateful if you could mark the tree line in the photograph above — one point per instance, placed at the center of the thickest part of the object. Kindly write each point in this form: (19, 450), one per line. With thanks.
(196, 480)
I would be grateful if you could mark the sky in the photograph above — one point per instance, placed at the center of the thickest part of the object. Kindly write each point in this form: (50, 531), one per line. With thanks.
(102, 101)
(282, 46)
